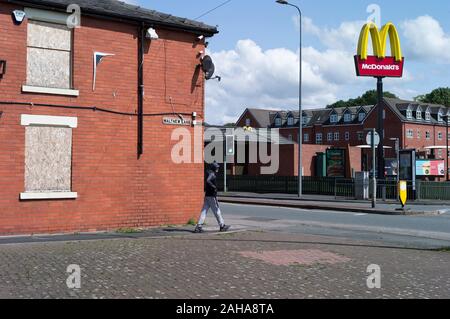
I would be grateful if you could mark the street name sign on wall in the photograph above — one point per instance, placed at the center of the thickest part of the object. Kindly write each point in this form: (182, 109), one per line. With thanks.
(176, 121)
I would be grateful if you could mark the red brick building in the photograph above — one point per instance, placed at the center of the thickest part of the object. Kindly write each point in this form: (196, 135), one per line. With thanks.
(71, 142)
(418, 126)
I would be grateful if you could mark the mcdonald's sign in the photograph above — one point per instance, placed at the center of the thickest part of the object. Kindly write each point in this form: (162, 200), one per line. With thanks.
(378, 64)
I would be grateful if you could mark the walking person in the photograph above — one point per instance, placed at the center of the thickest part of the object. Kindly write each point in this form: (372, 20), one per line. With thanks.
(211, 201)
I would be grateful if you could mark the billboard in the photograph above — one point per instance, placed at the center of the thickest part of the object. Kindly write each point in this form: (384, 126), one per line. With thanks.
(430, 168)
(379, 65)
(336, 163)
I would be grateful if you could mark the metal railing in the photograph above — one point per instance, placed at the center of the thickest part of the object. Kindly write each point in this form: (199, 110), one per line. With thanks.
(338, 187)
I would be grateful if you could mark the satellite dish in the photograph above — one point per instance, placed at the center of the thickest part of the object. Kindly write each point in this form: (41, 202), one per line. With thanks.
(208, 67)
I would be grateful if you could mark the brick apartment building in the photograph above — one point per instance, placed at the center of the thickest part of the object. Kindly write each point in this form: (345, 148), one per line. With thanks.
(84, 152)
(418, 126)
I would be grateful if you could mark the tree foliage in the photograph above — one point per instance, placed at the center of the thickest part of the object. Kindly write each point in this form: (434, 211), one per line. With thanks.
(368, 98)
(438, 96)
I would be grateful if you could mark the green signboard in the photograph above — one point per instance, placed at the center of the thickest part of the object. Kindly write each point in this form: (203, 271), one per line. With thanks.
(336, 163)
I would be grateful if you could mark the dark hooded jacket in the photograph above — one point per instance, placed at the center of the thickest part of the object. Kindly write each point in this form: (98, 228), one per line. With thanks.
(211, 180)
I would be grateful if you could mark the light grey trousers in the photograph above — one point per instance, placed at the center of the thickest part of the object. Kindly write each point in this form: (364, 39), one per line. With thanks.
(211, 202)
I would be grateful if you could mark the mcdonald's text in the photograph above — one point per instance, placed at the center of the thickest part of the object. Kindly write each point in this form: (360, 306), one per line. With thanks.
(376, 67)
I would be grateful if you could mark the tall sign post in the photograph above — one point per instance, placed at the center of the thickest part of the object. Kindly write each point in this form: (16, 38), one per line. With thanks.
(379, 66)
(373, 139)
(229, 151)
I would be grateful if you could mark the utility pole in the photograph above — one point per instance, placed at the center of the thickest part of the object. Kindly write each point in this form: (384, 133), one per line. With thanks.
(380, 128)
(374, 179)
(300, 117)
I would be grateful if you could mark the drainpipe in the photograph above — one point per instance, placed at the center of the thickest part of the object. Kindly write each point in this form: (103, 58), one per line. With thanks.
(141, 44)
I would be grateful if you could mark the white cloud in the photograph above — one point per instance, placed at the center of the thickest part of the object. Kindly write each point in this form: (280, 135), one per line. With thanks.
(345, 37)
(426, 40)
(252, 77)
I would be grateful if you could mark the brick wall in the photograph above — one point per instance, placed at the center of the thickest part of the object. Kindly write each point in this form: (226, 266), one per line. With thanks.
(115, 189)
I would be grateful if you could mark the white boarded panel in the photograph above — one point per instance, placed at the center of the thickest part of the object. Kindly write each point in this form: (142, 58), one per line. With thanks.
(49, 36)
(48, 159)
(48, 68)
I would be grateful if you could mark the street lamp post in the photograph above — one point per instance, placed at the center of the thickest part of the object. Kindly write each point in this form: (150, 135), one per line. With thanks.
(300, 120)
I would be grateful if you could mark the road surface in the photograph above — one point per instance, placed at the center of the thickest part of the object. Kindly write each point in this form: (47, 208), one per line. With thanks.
(423, 231)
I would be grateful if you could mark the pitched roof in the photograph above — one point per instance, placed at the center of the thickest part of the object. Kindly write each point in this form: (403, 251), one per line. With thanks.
(266, 118)
(121, 10)
(263, 117)
(399, 107)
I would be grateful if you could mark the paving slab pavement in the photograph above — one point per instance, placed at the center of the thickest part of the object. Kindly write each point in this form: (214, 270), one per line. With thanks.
(267, 265)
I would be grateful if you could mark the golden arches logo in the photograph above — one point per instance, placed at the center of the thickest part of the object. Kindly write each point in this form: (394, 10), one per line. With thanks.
(379, 41)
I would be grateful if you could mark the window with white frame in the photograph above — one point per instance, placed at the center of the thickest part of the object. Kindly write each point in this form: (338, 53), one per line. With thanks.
(305, 120)
(427, 116)
(48, 157)
(49, 53)
(409, 114)
(428, 135)
(360, 136)
(248, 122)
(278, 122)
(440, 136)
(440, 117)
(419, 114)
(290, 120)
(347, 117)
(410, 134)
(334, 118)
(361, 116)
(306, 137)
(336, 136)
(419, 134)
(319, 138)
(329, 137)
(347, 136)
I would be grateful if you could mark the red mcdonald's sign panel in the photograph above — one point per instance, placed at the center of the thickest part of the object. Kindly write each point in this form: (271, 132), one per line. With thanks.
(373, 66)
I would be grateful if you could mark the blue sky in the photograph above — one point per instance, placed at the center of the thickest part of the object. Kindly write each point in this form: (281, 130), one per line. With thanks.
(255, 52)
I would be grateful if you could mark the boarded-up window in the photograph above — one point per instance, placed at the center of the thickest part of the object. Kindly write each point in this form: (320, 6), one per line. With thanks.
(48, 156)
(48, 159)
(49, 56)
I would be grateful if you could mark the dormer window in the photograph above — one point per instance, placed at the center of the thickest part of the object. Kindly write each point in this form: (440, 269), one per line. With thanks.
(440, 117)
(278, 122)
(334, 118)
(248, 122)
(361, 116)
(419, 114)
(290, 120)
(347, 117)
(305, 120)
(409, 114)
(427, 116)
